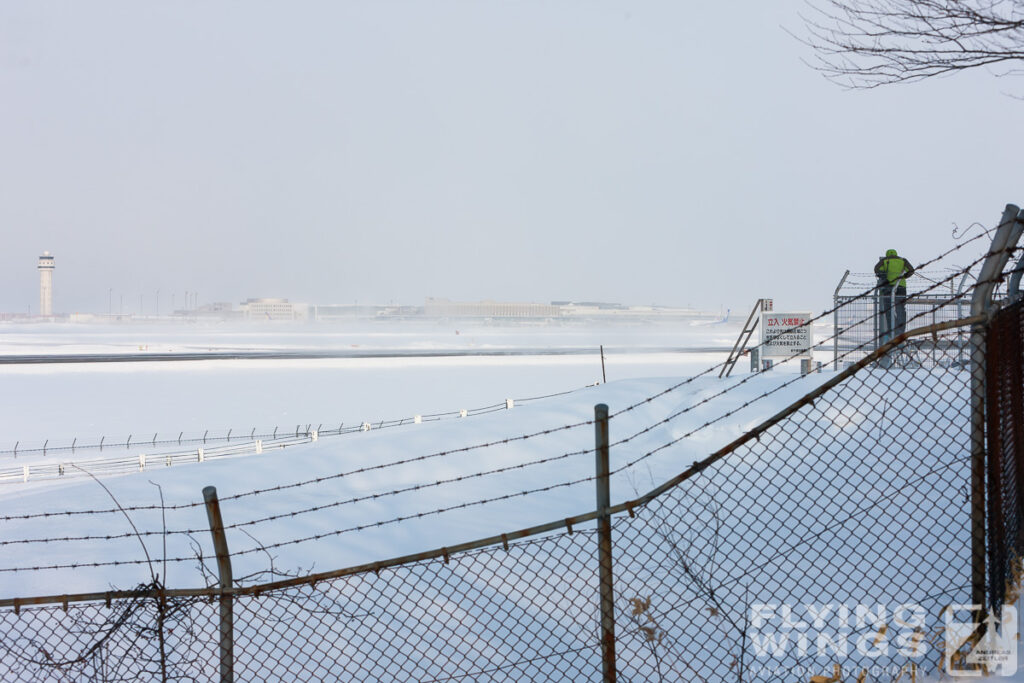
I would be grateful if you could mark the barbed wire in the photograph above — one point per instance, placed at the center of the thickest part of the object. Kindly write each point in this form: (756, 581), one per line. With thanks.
(316, 508)
(483, 501)
(128, 442)
(741, 382)
(306, 482)
(810, 321)
(721, 417)
(524, 437)
(816, 509)
(315, 537)
(387, 522)
(411, 488)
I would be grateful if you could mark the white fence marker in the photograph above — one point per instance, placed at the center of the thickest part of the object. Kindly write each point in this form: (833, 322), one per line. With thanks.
(200, 455)
(142, 461)
(418, 419)
(259, 446)
(314, 435)
(24, 473)
(509, 404)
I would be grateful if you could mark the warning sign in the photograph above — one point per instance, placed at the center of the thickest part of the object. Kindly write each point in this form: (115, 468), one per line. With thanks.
(784, 335)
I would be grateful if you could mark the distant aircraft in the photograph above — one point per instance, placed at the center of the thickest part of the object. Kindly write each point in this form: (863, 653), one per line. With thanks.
(721, 321)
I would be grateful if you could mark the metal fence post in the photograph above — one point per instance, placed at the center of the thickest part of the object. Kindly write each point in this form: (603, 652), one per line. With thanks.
(835, 322)
(1005, 239)
(1013, 289)
(220, 546)
(604, 545)
(875, 331)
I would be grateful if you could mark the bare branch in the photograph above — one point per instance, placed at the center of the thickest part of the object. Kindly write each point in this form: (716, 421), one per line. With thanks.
(868, 43)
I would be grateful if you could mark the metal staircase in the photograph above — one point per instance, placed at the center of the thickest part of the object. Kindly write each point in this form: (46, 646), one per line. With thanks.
(748, 330)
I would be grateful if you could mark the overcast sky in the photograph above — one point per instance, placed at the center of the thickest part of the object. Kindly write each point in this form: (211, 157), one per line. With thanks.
(385, 150)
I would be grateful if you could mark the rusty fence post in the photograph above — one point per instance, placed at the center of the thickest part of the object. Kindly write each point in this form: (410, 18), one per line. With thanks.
(604, 545)
(220, 546)
(1005, 239)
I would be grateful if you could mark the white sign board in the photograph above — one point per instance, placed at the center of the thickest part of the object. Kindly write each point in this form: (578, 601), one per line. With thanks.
(784, 335)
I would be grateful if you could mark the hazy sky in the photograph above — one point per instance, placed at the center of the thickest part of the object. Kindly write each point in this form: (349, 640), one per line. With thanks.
(386, 150)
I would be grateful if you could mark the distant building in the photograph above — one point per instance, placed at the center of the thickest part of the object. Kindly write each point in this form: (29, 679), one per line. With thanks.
(46, 266)
(443, 308)
(274, 309)
(338, 312)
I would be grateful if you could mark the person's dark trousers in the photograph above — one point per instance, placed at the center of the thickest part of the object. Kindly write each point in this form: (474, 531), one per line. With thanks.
(901, 310)
(885, 317)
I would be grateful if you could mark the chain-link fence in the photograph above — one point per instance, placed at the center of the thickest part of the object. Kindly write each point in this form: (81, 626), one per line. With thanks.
(827, 540)
(858, 499)
(1005, 400)
(864, 313)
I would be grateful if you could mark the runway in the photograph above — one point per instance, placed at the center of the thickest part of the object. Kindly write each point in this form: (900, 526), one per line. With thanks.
(146, 357)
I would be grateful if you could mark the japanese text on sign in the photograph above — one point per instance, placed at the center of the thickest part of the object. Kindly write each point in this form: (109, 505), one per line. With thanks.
(784, 335)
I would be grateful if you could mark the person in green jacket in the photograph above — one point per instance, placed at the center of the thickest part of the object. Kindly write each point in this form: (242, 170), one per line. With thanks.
(892, 271)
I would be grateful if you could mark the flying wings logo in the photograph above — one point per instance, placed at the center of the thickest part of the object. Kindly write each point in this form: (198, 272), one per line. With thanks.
(995, 651)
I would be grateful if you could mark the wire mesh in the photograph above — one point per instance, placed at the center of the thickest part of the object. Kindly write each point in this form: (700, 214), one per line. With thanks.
(141, 638)
(857, 500)
(864, 314)
(1005, 387)
(835, 539)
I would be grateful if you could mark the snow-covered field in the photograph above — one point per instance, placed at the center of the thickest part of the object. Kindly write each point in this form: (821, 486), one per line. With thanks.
(433, 335)
(61, 402)
(356, 498)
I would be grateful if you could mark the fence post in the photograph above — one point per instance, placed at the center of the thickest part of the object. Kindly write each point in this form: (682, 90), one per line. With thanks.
(604, 545)
(1013, 289)
(835, 322)
(992, 269)
(220, 546)
(875, 312)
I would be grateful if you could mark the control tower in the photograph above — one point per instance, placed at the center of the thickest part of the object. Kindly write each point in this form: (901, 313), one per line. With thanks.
(46, 284)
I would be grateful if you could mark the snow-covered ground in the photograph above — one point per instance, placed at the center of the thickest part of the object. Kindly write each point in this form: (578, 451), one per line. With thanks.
(355, 498)
(427, 335)
(61, 402)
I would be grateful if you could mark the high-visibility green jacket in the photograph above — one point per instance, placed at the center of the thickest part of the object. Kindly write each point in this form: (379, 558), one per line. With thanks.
(893, 269)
